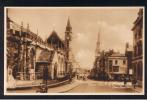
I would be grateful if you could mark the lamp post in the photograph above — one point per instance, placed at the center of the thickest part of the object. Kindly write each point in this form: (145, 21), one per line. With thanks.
(70, 71)
(45, 77)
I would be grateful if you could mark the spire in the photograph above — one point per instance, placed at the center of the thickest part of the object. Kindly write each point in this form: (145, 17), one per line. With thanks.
(68, 22)
(98, 41)
(68, 27)
(98, 45)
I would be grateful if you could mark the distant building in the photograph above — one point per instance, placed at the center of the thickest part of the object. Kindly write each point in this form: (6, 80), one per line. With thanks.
(129, 54)
(138, 48)
(117, 66)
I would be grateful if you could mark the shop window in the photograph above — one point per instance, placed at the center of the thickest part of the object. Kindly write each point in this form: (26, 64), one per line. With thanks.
(115, 68)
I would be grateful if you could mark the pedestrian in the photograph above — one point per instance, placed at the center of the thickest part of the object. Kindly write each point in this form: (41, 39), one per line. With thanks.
(77, 76)
(125, 81)
(134, 81)
(84, 77)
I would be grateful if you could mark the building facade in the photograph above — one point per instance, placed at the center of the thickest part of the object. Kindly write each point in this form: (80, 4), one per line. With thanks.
(58, 69)
(117, 66)
(27, 53)
(138, 48)
(23, 48)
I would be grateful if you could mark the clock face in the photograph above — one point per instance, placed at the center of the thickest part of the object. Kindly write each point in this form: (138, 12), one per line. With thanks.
(68, 37)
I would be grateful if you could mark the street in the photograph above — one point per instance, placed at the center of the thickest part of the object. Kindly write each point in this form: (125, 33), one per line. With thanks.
(88, 86)
(91, 86)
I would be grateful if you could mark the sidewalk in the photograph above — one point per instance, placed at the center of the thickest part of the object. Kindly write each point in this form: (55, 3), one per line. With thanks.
(58, 89)
(116, 84)
(33, 83)
(113, 83)
(121, 84)
(27, 83)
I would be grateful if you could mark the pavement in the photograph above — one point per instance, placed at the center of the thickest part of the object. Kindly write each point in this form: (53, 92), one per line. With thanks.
(102, 87)
(59, 89)
(32, 83)
(26, 83)
(114, 85)
(82, 86)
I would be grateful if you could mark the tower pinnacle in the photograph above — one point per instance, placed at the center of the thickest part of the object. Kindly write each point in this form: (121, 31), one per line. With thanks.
(68, 27)
(68, 22)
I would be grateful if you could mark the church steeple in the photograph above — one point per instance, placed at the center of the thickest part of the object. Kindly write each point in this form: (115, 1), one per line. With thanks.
(68, 40)
(97, 52)
(68, 26)
(68, 31)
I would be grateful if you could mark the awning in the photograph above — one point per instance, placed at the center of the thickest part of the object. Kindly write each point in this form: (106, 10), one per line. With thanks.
(118, 73)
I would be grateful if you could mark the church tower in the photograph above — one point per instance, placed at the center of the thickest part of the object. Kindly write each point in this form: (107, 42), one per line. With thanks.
(68, 39)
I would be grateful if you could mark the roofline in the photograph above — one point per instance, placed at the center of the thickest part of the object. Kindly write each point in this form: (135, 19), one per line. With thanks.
(136, 22)
(57, 36)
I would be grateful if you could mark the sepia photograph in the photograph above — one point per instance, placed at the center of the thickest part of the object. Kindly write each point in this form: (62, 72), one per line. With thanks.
(74, 51)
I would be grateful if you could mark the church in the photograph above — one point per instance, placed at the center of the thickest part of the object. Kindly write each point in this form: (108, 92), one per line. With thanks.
(31, 53)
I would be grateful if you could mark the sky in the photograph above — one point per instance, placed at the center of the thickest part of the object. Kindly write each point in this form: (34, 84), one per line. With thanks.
(114, 25)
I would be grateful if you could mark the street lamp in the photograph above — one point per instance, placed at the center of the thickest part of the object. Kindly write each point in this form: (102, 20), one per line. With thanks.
(45, 77)
(44, 87)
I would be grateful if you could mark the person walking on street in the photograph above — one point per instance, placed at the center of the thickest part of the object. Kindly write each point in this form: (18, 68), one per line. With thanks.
(125, 81)
(134, 81)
